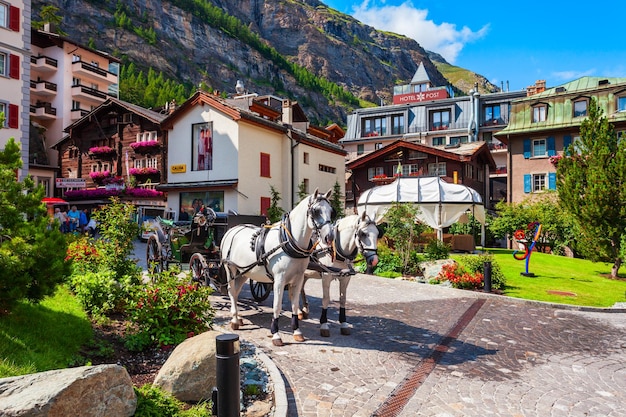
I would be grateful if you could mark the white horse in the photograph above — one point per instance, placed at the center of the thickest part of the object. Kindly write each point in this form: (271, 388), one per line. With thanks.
(353, 234)
(277, 254)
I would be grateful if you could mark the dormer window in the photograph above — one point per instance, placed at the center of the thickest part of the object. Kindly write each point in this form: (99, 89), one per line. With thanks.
(539, 113)
(621, 103)
(580, 108)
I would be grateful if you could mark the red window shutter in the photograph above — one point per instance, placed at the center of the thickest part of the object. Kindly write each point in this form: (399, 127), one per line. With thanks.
(14, 116)
(14, 66)
(265, 205)
(265, 165)
(14, 18)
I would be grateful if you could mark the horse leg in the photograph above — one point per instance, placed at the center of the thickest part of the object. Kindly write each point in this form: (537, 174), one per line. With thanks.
(324, 327)
(303, 312)
(234, 288)
(343, 286)
(294, 294)
(278, 301)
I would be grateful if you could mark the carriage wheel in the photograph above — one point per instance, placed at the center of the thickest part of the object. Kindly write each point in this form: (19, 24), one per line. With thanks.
(260, 290)
(154, 257)
(199, 269)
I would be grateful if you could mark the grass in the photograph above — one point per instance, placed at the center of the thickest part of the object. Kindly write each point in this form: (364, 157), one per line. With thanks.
(576, 281)
(37, 338)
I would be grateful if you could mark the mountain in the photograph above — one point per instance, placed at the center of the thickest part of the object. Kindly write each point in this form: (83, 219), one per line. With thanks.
(292, 48)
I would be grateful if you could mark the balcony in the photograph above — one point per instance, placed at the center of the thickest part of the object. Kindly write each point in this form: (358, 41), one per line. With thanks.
(43, 64)
(43, 89)
(78, 114)
(88, 95)
(43, 111)
(497, 147)
(93, 73)
(497, 122)
(500, 171)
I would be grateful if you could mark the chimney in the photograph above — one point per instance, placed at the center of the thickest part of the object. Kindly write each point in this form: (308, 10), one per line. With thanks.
(287, 112)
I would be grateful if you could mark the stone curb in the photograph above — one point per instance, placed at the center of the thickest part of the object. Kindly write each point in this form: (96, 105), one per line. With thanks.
(280, 393)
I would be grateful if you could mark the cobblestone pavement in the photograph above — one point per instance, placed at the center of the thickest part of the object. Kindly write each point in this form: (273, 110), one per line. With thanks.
(422, 350)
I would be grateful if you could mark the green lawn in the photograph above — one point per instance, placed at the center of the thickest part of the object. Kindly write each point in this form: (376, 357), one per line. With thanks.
(575, 281)
(36, 338)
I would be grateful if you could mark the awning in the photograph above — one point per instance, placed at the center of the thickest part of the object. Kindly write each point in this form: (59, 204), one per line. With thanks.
(53, 200)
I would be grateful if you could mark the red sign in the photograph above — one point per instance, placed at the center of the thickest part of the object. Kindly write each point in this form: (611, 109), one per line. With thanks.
(421, 96)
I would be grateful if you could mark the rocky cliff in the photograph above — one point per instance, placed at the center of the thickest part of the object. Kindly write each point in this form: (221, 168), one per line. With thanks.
(177, 38)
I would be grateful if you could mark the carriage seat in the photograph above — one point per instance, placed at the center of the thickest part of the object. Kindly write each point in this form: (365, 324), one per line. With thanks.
(200, 239)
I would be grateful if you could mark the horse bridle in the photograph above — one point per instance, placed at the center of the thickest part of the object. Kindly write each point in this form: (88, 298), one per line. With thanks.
(291, 247)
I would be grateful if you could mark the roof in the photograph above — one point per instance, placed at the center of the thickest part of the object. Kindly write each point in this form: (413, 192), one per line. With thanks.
(44, 39)
(420, 75)
(143, 112)
(200, 184)
(464, 152)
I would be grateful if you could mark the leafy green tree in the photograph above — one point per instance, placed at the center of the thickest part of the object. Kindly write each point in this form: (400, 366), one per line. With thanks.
(591, 181)
(32, 249)
(302, 191)
(275, 212)
(336, 201)
(49, 14)
(403, 229)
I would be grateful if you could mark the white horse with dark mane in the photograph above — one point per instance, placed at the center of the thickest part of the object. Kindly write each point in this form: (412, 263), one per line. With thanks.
(277, 254)
(353, 234)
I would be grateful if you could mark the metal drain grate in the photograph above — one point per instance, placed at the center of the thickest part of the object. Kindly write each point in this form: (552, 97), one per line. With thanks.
(403, 392)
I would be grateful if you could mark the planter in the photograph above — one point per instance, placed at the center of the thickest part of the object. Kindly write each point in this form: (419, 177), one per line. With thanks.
(146, 146)
(100, 176)
(137, 172)
(102, 151)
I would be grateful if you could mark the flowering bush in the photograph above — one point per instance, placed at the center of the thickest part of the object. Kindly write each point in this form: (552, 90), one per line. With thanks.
(101, 150)
(83, 254)
(459, 277)
(169, 311)
(143, 192)
(145, 146)
(99, 175)
(113, 180)
(143, 171)
(554, 160)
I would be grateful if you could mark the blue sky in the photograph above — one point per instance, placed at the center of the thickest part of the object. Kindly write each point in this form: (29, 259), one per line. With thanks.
(515, 42)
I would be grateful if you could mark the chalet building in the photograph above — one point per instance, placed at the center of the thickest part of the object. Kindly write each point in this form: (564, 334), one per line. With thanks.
(427, 115)
(466, 163)
(115, 149)
(14, 75)
(547, 121)
(67, 81)
(228, 153)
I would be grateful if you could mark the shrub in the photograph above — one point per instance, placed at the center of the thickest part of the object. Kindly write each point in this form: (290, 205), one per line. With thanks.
(436, 249)
(100, 293)
(169, 311)
(476, 263)
(153, 401)
(459, 277)
(83, 254)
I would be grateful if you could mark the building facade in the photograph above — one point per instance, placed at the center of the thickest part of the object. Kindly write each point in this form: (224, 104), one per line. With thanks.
(229, 153)
(427, 115)
(68, 80)
(545, 123)
(15, 75)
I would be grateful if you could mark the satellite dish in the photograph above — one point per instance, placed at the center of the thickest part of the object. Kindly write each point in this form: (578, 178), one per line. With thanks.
(239, 87)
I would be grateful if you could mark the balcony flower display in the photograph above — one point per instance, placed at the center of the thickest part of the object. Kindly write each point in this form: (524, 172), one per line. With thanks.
(99, 175)
(113, 180)
(146, 146)
(143, 171)
(101, 150)
(102, 193)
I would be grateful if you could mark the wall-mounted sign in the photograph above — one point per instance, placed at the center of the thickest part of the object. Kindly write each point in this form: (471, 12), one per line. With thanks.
(71, 183)
(421, 96)
(177, 169)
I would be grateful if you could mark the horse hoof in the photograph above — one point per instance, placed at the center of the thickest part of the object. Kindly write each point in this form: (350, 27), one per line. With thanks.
(298, 338)
(303, 316)
(345, 331)
(277, 342)
(324, 332)
(241, 322)
(234, 326)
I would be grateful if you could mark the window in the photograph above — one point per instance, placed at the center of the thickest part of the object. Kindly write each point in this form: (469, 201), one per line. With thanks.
(75, 58)
(374, 126)
(417, 155)
(397, 124)
(455, 140)
(4, 15)
(580, 108)
(420, 87)
(372, 172)
(4, 64)
(75, 105)
(440, 119)
(470, 170)
(3, 109)
(437, 169)
(378, 145)
(147, 136)
(360, 149)
(492, 113)
(305, 185)
(439, 141)
(306, 158)
(265, 165)
(539, 148)
(538, 182)
(326, 168)
(409, 169)
(76, 81)
(539, 113)
(11, 115)
(621, 103)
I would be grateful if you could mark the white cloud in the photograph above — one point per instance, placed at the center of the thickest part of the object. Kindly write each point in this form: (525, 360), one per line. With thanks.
(572, 75)
(443, 38)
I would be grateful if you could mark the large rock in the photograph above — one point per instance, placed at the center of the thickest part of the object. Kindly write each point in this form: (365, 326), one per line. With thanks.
(431, 269)
(98, 391)
(189, 373)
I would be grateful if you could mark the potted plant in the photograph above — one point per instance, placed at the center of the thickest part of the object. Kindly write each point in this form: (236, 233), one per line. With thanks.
(99, 176)
(143, 171)
(145, 146)
(101, 151)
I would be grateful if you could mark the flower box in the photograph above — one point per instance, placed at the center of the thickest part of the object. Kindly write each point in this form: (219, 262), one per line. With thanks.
(143, 171)
(100, 193)
(146, 146)
(102, 151)
(99, 175)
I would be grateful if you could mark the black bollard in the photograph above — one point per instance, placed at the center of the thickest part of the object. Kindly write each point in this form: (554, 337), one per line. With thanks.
(487, 276)
(228, 388)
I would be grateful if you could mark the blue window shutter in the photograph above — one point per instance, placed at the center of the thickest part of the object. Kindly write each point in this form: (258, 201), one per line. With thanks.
(567, 140)
(526, 148)
(552, 181)
(527, 183)
(551, 146)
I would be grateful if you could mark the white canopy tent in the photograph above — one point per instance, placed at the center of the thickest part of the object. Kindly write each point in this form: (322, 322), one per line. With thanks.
(441, 204)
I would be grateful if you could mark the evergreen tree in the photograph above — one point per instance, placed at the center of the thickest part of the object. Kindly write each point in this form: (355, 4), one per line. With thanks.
(591, 185)
(336, 201)
(275, 212)
(32, 249)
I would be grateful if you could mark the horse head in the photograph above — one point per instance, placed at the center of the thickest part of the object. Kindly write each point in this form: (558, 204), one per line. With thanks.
(367, 235)
(320, 216)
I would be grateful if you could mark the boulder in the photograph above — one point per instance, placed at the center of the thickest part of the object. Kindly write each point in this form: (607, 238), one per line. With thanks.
(431, 269)
(98, 391)
(189, 372)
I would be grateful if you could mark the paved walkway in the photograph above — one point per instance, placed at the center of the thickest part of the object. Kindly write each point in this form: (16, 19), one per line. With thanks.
(423, 350)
